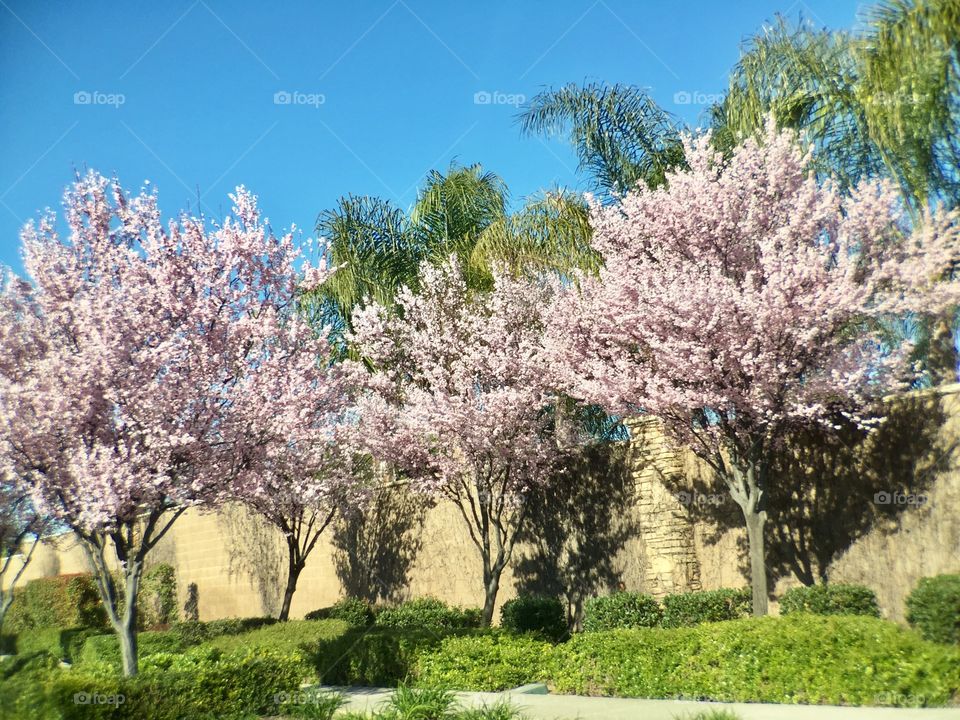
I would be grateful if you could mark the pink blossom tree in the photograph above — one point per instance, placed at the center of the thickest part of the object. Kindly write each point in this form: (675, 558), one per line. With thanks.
(736, 304)
(298, 472)
(135, 342)
(456, 401)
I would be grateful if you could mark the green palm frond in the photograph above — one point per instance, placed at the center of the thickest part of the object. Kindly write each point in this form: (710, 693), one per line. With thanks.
(622, 137)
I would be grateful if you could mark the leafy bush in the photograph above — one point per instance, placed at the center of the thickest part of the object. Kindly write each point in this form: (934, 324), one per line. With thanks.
(490, 662)
(379, 657)
(194, 632)
(794, 659)
(621, 610)
(527, 613)
(693, 608)
(427, 613)
(62, 601)
(830, 600)
(354, 611)
(933, 607)
(230, 687)
(101, 651)
(280, 637)
(158, 597)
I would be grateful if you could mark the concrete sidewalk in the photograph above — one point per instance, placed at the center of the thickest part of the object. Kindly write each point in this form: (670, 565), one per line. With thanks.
(575, 707)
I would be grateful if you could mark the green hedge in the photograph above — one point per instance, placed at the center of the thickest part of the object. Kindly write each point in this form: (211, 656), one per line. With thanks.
(100, 651)
(693, 608)
(62, 601)
(378, 657)
(528, 613)
(231, 687)
(157, 600)
(621, 610)
(427, 613)
(794, 659)
(194, 632)
(488, 662)
(933, 607)
(281, 637)
(833, 599)
(356, 612)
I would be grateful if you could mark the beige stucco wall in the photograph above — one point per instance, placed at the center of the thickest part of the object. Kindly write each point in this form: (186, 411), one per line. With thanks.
(641, 528)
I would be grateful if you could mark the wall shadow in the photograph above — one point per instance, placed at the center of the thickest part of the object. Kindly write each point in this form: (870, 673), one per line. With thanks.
(254, 549)
(829, 489)
(577, 527)
(374, 549)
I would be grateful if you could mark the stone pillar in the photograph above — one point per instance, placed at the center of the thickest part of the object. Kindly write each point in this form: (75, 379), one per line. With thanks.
(666, 531)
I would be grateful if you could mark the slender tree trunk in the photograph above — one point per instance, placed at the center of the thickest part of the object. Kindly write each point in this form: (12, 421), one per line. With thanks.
(491, 586)
(293, 574)
(123, 618)
(942, 357)
(758, 566)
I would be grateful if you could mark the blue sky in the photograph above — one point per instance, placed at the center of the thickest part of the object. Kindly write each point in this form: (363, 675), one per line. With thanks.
(306, 102)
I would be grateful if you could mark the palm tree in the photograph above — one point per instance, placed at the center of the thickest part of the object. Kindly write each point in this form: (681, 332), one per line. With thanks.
(377, 248)
(884, 102)
(621, 135)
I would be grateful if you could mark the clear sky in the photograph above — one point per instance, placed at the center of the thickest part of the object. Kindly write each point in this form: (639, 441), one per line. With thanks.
(306, 101)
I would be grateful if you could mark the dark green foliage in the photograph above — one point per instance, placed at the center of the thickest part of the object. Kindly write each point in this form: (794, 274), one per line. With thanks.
(830, 600)
(62, 601)
(621, 610)
(706, 606)
(934, 608)
(490, 662)
(194, 632)
(158, 597)
(231, 687)
(530, 613)
(427, 613)
(800, 658)
(354, 611)
(100, 650)
(379, 657)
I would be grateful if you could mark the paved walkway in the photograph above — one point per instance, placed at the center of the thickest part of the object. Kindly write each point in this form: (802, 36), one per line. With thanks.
(575, 707)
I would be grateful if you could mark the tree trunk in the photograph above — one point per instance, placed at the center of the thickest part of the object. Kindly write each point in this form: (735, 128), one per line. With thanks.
(293, 574)
(491, 586)
(758, 566)
(127, 626)
(942, 356)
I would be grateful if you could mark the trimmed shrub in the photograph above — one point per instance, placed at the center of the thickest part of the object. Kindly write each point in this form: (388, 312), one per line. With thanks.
(621, 610)
(102, 651)
(354, 611)
(489, 662)
(427, 613)
(693, 608)
(378, 657)
(933, 607)
(230, 687)
(158, 597)
(802, 658)
(529, 613)
(194, 632)
(62, 601)
(833, 599)
(280, 637)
